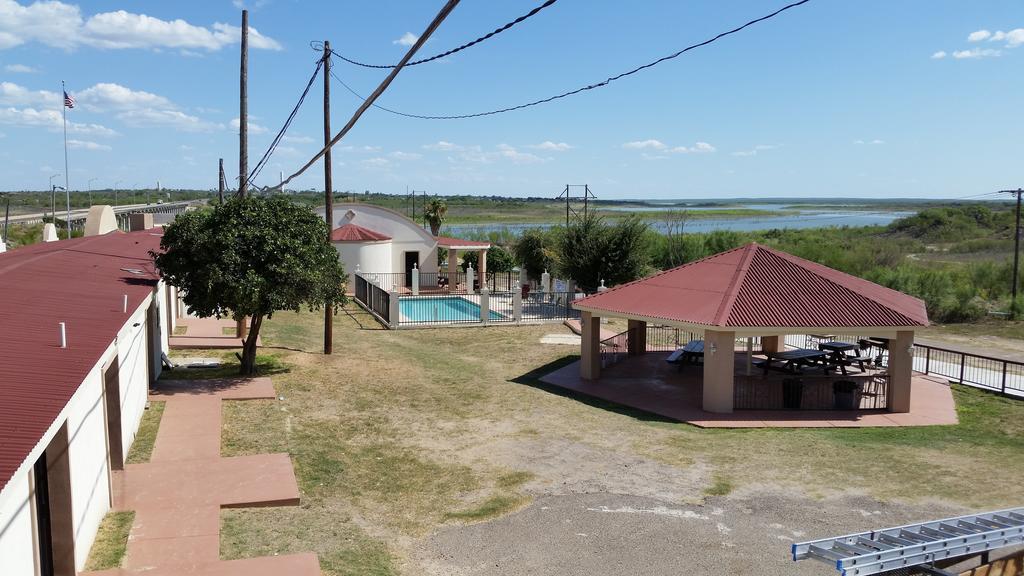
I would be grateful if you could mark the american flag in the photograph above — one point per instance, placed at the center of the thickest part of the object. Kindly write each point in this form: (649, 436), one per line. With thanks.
(69, 101)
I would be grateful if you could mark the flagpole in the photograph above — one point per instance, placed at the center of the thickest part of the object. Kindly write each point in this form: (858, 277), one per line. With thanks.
(67, 186)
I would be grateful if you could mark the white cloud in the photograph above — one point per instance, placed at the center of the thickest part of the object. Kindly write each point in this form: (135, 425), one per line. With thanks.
(758, 148)
(297, 139)
(975, 53)
(551, 146)
(375, 163)
(107, 96)
(254, 128)
(939, 55)
(1013, 38)
(510, 153)
(979, 35)
(698, 148)
(407, 39)
(645, 144)
(876, 141)
(12, 94)
(61, 25)
(146, 118)
(19, 69)
(443, 146)
(399, 155)
(87, 145)
(51, 119)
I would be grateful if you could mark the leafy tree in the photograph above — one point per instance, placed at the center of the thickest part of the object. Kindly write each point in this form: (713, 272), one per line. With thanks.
(435, 212)
(251, 257)
(591, 251)
(499, 259)
(536, 251)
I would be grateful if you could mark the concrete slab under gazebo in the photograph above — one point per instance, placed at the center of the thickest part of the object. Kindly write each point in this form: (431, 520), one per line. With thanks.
(752, 294)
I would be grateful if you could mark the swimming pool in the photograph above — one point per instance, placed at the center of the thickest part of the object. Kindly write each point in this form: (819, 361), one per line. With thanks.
(441, 309)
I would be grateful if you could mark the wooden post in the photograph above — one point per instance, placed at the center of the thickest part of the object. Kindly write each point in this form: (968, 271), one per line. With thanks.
(243, 110)
(328, 190)
(243, 133)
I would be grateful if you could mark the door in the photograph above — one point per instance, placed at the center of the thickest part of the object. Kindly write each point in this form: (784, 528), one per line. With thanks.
(51, 480)
(112, 405)
(152, 332)
(411, 259)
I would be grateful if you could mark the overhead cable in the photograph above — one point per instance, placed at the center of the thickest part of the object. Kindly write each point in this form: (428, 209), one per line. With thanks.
(589, 86)
(319, 46)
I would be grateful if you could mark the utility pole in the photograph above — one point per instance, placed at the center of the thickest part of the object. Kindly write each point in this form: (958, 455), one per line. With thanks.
(243, 136)
(220, 182)
(243, 111)
(328, 191)
(1016, 251)
(91, 180)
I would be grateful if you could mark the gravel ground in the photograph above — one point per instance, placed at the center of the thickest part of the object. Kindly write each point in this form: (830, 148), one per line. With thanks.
(612, 534)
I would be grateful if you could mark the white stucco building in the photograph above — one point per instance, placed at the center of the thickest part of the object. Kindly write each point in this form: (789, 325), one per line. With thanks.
(85, 323)
(372, 239)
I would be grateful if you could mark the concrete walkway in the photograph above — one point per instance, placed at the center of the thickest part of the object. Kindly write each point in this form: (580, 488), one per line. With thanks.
(207, 333)
(178, 495)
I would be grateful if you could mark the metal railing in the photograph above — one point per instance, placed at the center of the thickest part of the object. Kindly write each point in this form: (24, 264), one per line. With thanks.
(443, 282)
(614, 349)
(987, 372)
(373, 298)
(550, 306)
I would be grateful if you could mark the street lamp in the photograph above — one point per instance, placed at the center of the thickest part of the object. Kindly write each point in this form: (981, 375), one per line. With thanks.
(51, 190)
(91, 180)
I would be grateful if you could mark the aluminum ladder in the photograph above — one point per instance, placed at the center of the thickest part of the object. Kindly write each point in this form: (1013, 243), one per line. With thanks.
(920, 544)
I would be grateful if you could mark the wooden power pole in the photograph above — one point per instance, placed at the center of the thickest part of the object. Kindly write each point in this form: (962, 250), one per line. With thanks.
(243, 136)
(243, 110)
(328, 191)
(220, 181)
(1016, 253)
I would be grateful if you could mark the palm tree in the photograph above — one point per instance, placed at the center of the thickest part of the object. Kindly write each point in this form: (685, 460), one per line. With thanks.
(434, 213)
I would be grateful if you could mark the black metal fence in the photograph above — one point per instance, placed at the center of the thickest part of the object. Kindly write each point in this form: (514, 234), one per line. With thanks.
(374, 298)
(443, 282)
(990, 373)
(550, 306)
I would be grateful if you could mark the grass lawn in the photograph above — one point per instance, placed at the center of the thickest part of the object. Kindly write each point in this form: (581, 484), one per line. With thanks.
(111, 541)
(402, 432)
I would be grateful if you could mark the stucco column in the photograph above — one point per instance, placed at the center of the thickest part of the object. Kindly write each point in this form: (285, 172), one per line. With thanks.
(590, 346)
(901, 366)
(719, 364)
(773, 343)
(482, 267)
(453, 267)
(637, 341)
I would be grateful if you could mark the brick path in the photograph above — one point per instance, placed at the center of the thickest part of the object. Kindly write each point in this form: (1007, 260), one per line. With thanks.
(178, 495)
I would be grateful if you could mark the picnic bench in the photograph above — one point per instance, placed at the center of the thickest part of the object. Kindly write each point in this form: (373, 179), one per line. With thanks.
(688, 354)
(838, 357)
(794, 359)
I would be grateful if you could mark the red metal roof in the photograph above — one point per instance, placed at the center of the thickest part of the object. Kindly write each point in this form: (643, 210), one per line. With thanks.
(756, 287)
(449, 242)
(79, 282)
(355, 233)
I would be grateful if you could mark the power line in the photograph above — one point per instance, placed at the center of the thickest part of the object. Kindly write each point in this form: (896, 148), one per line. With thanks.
(589, 86)
(434, 24)
(287, 123)
(318, 46)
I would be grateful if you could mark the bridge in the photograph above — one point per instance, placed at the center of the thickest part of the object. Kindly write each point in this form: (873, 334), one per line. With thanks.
(77, 222)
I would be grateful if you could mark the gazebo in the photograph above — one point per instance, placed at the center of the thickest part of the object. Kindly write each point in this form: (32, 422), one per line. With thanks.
(755, 292)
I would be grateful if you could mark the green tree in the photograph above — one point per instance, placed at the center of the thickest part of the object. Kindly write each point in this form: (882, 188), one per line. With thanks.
(435, 212)
(536, 251)
(251, 257)
(591, 251)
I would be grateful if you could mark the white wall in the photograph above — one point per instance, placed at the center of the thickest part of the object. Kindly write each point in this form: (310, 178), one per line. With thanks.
(406, 235)
(16, 529)
(87, 450)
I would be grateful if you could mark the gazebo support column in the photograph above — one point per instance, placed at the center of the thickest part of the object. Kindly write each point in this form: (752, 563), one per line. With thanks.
(482, 265)
(719, 365)
(453, 267)
(637, 340)
(590, 346)
(901, 364)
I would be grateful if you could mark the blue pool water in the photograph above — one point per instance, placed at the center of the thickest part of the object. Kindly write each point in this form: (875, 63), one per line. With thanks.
(441, 309)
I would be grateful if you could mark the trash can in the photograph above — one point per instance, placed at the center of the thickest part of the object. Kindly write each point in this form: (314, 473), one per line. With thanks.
(792, 393)
(847, 395)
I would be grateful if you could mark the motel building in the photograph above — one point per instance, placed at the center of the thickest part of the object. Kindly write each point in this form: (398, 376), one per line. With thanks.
(84, 324)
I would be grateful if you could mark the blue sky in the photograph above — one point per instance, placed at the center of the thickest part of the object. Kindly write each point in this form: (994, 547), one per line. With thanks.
(915, 98)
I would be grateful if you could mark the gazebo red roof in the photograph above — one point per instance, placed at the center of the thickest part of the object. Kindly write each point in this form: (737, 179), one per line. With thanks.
(449, 242)
(756, 287)
(355, 233)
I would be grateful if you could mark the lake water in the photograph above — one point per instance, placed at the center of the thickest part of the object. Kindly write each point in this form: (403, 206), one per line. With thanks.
(805, 219)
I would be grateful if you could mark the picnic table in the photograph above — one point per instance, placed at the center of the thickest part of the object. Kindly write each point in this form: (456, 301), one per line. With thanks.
(688, 354)
(838, 354)
(795, 358)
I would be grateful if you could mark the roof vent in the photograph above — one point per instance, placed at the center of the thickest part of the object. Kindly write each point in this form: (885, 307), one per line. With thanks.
(132, 270)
